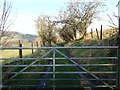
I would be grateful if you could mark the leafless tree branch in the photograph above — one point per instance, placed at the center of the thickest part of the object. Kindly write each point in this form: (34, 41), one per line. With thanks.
(5, 22)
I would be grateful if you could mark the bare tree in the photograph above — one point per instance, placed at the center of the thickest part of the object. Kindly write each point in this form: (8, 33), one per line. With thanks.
(5, 22)
(118, 3)
(78, 16)
(113, 18)
(46, 30)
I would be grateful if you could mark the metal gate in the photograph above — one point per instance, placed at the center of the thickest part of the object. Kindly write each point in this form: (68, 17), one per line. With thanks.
(86, 71)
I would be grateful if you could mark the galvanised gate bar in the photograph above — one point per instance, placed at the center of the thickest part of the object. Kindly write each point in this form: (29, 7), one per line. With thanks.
(62, 68)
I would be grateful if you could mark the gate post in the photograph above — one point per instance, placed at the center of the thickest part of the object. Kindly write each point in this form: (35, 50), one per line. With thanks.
(20, 50)
(32, 48)
(101, 33)
(118, 62)
(53, 68)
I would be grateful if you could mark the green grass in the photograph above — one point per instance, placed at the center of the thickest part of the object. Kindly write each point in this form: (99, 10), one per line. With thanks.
(24, 76)
(97, 53)
(13, 54)
(64, 76)
(39, 69)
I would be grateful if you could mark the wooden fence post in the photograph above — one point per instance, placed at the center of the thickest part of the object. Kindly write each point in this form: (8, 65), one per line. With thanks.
(32, 47)
(20, 50)
(37, 43)
(91, 33)
(97, 33)
(101, 32)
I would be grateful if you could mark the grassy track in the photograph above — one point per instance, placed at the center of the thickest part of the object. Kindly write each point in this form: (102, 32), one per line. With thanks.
(64, 76)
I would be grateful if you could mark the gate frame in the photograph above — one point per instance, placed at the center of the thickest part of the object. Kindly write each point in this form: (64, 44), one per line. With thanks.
(54, 49)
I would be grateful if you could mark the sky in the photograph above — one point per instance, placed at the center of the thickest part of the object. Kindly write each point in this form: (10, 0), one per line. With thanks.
(26, 11)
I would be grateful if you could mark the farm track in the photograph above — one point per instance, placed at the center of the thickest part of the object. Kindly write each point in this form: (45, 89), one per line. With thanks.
(86, 83)
(42, 83)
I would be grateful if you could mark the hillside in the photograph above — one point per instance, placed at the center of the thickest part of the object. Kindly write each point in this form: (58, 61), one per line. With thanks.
(12, 38)
(105, 33)
(19, 36)
(28, 37)
(109, 37)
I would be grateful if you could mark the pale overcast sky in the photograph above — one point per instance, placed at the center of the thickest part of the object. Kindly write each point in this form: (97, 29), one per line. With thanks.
(26, 11)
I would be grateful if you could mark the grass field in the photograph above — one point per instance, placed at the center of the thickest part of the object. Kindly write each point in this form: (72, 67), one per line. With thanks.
(13, 54)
